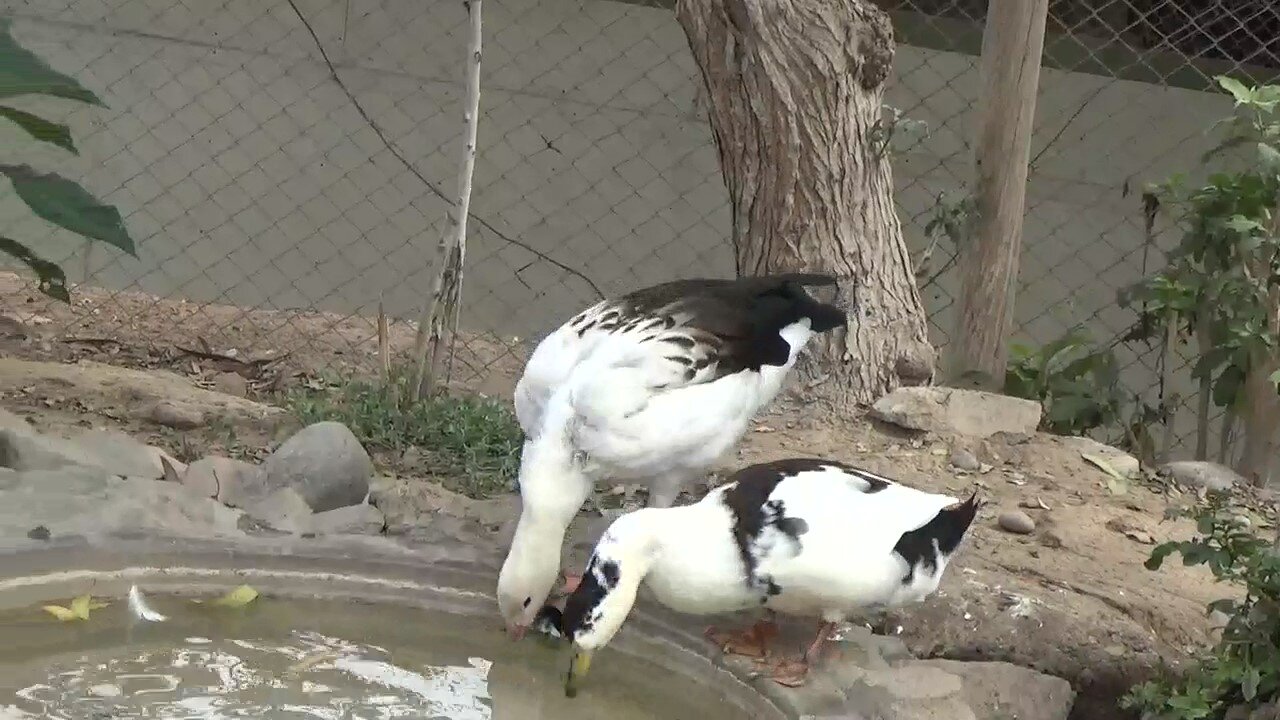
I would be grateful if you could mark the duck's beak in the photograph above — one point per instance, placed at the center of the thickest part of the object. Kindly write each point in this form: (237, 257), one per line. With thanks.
(516, 632)
(578, 668)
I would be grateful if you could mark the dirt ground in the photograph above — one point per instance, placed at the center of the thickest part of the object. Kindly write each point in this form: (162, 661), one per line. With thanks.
(1071, 598)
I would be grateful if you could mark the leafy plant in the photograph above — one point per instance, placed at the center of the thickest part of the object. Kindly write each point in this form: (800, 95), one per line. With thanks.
(1221, 287)
(1243, 668)
(475, 442)
(951, 222)
(1076, 380)
(50, 196)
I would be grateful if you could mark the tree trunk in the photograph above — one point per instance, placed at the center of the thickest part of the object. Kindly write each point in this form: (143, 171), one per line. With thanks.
(794, 91)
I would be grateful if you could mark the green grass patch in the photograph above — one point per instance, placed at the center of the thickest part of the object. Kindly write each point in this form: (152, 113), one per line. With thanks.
(471, 443)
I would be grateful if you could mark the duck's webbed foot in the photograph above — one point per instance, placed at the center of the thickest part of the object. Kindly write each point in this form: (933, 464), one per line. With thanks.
(752, 642)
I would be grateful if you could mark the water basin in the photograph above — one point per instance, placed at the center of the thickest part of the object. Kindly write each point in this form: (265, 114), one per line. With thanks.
(330, 638)
(315, 659)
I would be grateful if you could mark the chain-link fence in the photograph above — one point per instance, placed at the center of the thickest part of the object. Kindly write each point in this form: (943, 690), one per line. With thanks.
(284, 164)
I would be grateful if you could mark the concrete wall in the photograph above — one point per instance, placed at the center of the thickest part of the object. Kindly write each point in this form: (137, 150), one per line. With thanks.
(249, 177)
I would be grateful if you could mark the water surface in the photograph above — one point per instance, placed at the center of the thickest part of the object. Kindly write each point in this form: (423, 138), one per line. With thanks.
(322, 660)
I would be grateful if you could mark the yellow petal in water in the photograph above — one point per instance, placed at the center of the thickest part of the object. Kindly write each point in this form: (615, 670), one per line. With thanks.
(59, 612)
(80, 606)
(238, 597)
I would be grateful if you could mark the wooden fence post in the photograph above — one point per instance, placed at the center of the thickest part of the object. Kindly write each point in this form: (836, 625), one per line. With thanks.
(1011, 48)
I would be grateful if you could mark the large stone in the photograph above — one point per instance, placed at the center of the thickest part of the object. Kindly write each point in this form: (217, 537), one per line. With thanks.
(10, 421)
(1202, 474)
(88, 502)
(111, 451)
(1118, 460)
(221, 478)
(998, 689)
(324, 462)
(960, 412)
(176, 415)
(361, 519)
(284, 510)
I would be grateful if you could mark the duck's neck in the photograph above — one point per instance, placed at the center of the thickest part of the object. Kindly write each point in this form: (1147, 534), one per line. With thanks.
(552, 486)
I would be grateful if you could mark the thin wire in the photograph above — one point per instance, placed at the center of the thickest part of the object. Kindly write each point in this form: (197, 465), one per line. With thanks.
(333, 73)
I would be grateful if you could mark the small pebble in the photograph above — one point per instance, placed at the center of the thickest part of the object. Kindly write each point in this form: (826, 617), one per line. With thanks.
(1017, 522)
(178, 417)
(230, 383)
(965, 460)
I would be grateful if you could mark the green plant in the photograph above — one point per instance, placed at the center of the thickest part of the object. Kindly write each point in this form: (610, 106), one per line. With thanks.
(1221, 287)
(1076, 380)
(893, 124)
(473, 443)
(1243, 668)
(50, 196)
(951, 221)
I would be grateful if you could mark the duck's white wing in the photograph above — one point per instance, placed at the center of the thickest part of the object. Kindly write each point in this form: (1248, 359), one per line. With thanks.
(619, 353)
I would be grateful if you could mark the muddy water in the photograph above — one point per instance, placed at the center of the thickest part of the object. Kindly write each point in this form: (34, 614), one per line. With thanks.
(322, 660)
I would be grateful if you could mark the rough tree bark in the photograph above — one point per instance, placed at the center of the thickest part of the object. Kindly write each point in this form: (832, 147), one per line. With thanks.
(794, 90)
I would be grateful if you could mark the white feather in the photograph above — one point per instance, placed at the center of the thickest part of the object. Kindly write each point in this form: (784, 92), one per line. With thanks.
(616, 396)
(140, 609)
(845, 560)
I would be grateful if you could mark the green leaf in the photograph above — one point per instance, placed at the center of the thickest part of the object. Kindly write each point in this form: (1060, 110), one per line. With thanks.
(41, 129)
(1269, 156)
(1237, 89)
(23, 73)
(53, 282)
(1274, 378)
(1243, 225)
(1159, 554)
(1249, 686)
(63, 202)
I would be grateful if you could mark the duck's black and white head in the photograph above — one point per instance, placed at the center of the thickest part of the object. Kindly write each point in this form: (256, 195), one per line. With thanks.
(598, 607)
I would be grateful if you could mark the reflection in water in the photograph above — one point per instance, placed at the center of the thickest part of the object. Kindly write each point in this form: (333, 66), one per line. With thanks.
(291, 660)
(238, 679)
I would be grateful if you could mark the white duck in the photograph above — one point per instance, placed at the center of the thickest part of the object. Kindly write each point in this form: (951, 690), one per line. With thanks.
(654, 386)
(800, 536)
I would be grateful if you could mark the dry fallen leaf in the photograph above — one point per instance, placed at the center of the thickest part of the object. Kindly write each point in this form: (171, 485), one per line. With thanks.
(238, 597)
(79, 610)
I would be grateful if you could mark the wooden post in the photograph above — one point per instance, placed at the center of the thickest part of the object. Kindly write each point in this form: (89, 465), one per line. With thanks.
(1011, 48)
(441, 309)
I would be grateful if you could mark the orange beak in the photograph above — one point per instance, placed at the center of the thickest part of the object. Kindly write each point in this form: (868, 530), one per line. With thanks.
(516, 632)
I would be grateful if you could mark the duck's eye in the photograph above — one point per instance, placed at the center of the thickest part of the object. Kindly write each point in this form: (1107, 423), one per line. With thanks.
(527, 601)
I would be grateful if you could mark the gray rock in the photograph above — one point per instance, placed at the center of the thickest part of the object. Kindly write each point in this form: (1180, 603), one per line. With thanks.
(350, 520)
(1201, 474)
(10, 421)
(111, 451)
(324, 462)
(230, 383)
(284, 510)
(965, 460)
(910, 691)
(88, 502)
(175, 415)
(1016, 521)
(997, 689)
(1119, 460)
(961, 412)
(221, 478)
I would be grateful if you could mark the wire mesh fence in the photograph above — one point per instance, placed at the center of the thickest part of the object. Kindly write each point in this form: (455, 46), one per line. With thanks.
(285, 165)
